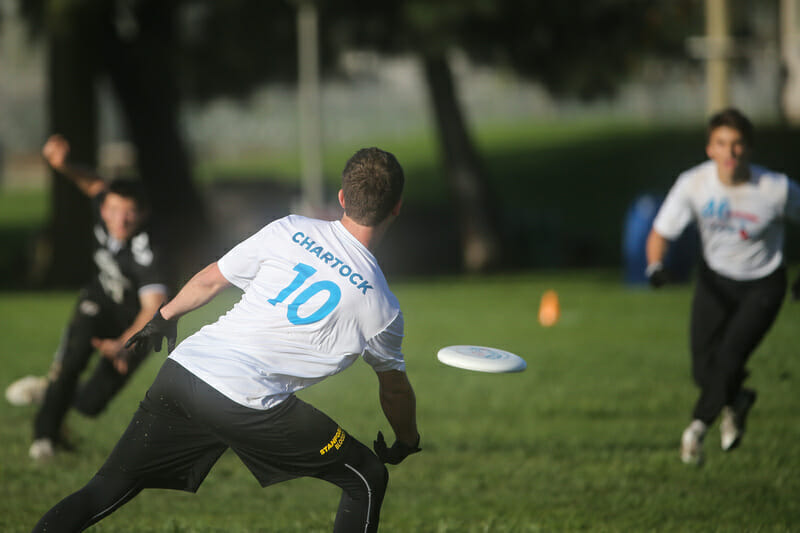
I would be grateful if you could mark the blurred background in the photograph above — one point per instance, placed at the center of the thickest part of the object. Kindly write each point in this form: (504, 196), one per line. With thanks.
(534, 135)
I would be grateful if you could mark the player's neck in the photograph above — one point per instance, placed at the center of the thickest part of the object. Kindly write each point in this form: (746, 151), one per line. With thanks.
(737, 177)
(369, 236)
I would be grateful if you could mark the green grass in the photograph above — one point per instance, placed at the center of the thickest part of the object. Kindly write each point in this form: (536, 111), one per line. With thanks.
(584, 440)
(21, 208)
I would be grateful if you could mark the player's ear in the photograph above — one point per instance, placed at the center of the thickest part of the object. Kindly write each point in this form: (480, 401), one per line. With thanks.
(341, 198)
(396, 208)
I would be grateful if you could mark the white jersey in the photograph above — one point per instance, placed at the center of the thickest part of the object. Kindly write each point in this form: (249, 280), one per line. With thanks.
(314, 300)
(741, 227)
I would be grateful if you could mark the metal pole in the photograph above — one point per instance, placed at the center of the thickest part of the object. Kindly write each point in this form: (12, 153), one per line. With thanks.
(789, 16)
(309, 106)
(718, 95)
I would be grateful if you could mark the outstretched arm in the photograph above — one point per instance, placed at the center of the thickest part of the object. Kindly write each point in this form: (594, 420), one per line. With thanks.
(399, 405)
(113, 349)
(197, 292)
(656, 250)
(56, 152)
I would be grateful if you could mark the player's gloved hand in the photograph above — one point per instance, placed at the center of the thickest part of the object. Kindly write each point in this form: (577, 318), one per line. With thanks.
(396, 453)
(150, 336)
(657, 275)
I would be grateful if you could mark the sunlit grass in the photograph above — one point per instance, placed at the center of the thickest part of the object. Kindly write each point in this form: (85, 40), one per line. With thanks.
(585, 439)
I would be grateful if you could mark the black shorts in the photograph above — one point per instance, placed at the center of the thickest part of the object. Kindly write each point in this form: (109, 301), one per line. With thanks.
(183, 426)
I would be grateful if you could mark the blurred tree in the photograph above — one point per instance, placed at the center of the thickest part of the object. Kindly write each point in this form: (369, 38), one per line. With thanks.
(431, 30)
(582, 48)
(131, 43)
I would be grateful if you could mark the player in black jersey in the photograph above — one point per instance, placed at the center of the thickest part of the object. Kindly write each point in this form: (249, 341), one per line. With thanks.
(122, 296)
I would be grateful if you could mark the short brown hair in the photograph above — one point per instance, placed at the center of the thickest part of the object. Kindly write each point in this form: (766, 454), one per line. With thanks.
(734, 119)
(372, 184)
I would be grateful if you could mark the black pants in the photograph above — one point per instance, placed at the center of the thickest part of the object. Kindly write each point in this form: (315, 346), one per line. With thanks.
(183, 426)
(95, 315)
(729, 320)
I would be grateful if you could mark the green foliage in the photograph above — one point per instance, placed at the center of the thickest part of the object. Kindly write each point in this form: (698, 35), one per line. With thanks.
(585, 439)
(582, 47)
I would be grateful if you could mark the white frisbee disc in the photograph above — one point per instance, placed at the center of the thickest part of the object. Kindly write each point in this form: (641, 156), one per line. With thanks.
(481, 359)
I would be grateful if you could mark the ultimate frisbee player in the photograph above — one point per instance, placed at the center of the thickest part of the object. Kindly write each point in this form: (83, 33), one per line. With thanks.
(128, 287)
(740, 210)
(314, 300)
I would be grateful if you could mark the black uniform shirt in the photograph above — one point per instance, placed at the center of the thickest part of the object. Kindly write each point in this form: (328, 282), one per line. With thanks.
(123, 268)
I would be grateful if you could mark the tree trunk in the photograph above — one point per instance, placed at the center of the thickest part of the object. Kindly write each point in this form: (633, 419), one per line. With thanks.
(480, 243)
(63, 256)
(143, 76)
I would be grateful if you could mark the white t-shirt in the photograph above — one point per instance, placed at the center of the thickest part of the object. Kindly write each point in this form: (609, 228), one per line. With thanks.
(741, 227)
(314, 300)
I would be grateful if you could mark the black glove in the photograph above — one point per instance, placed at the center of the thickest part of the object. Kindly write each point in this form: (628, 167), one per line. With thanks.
(657, 275)
(796, 289)
(396, 453)
(151, 335)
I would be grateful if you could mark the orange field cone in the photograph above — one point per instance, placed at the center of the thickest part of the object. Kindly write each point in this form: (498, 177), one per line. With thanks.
(549, 309)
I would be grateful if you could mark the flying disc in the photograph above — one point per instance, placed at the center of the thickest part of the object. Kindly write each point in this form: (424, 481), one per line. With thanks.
(481, 359)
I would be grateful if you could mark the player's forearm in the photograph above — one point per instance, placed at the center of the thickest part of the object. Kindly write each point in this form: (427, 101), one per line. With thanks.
(149, 303)
(56, 152)
(656, 248)
(197, 292)
(89, 183)
(400, 406)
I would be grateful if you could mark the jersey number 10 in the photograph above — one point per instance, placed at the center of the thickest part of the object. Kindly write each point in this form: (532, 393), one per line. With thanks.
(292, 313)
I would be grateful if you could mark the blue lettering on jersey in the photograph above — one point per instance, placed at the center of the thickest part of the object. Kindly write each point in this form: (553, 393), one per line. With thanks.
(720, 210)
(718, 216)
(345, 270)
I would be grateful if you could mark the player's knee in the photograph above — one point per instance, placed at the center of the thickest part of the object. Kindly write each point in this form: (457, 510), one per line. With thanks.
(370, 468)
(376, 473)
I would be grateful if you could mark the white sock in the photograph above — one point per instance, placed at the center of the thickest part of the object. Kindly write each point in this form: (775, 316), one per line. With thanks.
(698, 427)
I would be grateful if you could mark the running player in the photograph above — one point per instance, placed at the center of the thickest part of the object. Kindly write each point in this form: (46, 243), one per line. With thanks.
(314, 300)
(126, 291)
(740, 210)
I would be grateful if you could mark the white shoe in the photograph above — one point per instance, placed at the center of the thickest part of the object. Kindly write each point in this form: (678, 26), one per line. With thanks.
(41, 450)
(728, 432)
(732, 425)
(692, 443)
(27, 391)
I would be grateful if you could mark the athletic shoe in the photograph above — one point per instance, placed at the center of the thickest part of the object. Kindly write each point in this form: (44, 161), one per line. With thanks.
(728, 432)
(692, 443)
(732, 425)
(27, 391)
(42, 450)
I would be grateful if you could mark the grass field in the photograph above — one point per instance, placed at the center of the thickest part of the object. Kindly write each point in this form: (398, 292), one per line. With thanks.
(584, 440)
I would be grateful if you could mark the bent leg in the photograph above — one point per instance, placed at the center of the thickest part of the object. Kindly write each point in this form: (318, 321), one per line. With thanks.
(72, 358)
(96, 393)
(363, 479)
(755, 313)
(711, 310)
(96, 500)
(162, 447)
(294, 439)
